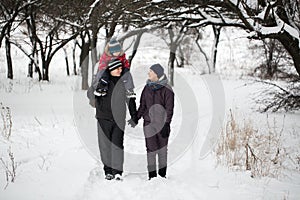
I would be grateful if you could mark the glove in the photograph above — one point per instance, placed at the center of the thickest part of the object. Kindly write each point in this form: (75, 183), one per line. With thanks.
(165, 131)
(133, 121)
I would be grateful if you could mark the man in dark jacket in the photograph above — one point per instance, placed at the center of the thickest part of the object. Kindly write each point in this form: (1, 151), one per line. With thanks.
(156, 107)
(111, 114)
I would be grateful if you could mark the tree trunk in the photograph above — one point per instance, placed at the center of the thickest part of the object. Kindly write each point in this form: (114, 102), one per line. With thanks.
(292, 46)
(45, 71)
(8, 58)
(84, 63)
(111, 30)
(171, 63)
(37, 68)
(67, 62)
(204, 54)
(33, 60)
(270, 52)
(30, 69)
(74, 57)
(135, 47)
(181, 58)
(174, 43)
(217, 31)
(46, 74)
(94, 58)
(30, 16)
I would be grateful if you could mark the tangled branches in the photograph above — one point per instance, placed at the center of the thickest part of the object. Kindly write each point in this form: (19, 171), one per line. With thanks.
(280, 98)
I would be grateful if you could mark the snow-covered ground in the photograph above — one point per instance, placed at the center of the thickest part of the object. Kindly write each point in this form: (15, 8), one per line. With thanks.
(54, 145)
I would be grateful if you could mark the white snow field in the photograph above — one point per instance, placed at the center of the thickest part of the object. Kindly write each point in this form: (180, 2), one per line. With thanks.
(54, 139)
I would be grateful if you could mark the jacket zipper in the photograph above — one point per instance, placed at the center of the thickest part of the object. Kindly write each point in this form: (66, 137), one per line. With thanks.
(153, 101)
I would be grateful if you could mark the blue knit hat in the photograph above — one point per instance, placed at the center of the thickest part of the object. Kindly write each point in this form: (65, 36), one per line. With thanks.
(114, 46)
(158, 70)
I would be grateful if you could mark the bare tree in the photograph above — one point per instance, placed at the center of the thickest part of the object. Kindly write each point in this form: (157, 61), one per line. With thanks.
(275, 97)
(84, 58)
(279, 20)
(10, 16)
(212, 59)
(47, 34)
(8, 55)
(174, 42)
(9, 12)
(207, 59)
(277, 62)
(31, 16)
(217, 32)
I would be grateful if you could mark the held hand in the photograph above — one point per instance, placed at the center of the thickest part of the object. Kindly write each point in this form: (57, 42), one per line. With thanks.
(165, 131)
(133, 121)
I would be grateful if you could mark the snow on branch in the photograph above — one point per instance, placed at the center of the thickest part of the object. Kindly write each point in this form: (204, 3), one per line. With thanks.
(281, 27)
(136, 32)
(262, 15)
(264, 30)
(292, 31)
(68, 22)
(9, 17)
(254, 22)
(208, 19)
(92, 7)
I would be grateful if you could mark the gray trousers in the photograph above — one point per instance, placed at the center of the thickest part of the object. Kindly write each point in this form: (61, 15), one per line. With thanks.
(156, 146)
(110, 141)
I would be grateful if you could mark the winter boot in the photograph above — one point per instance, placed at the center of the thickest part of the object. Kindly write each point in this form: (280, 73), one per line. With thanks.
(130, 94)
(100, 92)
(101, 89)
(118, 177)
(151, 175)
(109, 176)
(162, 172)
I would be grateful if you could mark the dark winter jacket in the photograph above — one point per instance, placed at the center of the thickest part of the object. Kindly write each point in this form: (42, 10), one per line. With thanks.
(113, 105)
(157, 102)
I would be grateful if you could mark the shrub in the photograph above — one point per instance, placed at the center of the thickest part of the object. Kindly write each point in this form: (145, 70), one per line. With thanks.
(7, 121)
(242, 147)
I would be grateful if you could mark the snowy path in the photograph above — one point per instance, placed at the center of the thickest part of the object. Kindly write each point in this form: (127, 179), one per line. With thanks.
(54, 164)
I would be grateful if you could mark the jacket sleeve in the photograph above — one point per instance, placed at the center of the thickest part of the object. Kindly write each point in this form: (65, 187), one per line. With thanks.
(126, 75)
(169, 104)
(125, 61)
(103, 62)
(97, 78)
(132, 107)
(142, 108)
(90, 94)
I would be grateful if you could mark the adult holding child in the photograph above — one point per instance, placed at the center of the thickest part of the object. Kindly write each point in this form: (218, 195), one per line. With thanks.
(113, 50)
(111, 114)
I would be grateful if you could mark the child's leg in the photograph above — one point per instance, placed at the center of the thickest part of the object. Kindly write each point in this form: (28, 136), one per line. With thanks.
(101, 86)
(152, 147)
(162, 155)
(128, 83)
(104, 80)
(97, 79)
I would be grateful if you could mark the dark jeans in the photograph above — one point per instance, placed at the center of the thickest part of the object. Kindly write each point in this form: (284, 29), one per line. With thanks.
(110, 141)
(156, 145)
